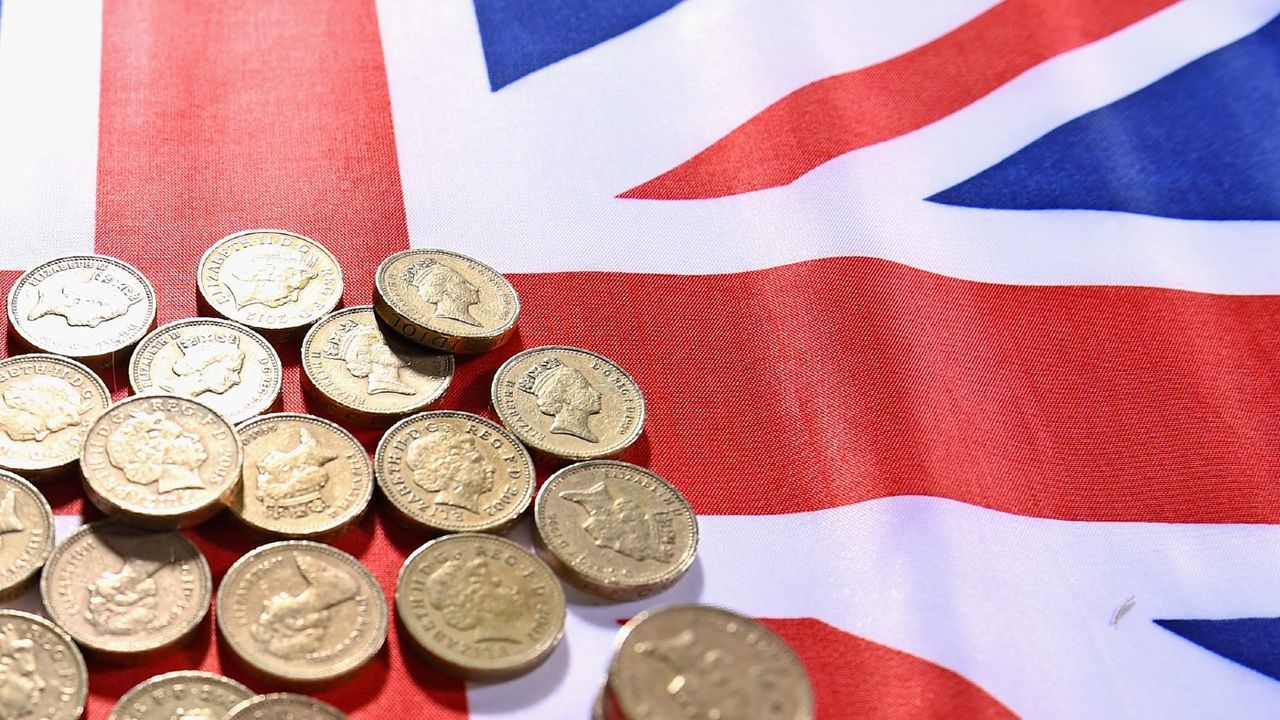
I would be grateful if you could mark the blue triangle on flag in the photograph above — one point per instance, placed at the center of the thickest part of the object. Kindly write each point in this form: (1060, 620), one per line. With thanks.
(1252, 642)
(523, 36)
(1200, 143)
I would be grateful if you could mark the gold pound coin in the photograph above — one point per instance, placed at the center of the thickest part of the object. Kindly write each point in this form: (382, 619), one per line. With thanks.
(161, 462)
(126, 594)
(44, 673)
(274, 281)
(662, 670)
(224, 365)
(445, 301)
(284, 706)
(86, 307)
(449, 471)
(479, 606)
(47, 404)
(614, 529)
(301, 612)
(26, 534)
(304, 477)
(568, 403)
(182, 695)
(362, 372)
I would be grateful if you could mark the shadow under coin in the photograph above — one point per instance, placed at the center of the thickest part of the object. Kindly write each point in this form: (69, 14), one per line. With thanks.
(527, 690)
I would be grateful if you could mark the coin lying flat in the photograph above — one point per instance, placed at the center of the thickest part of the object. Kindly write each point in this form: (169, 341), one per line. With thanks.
(301, 612)
(47, 404)
(445, 301)
(614, 529)
(224, 365)
(274, 281)
(362, 372)
(182, 695)
(44, 674)
(568, 403)
(699, 661)
(26, 534)
(449, 471)
(126, 594)
(161, 461)
(86, 307)
(304, 477)
(284, 706)
(479, 606)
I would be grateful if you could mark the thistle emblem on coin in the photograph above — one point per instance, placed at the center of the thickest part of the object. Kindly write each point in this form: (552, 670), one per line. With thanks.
(442, 286)
(151, 449)
(21, 685)
(290, 482)
(450, 465)
(268, 276)
(211, 367)
(619, 524)
(293, 626)
(83, 299)
(35, 409)
(365, 354)
(566, 396)
(124, 602)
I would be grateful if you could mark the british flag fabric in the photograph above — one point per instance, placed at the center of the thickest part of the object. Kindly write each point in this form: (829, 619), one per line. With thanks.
(957, 320)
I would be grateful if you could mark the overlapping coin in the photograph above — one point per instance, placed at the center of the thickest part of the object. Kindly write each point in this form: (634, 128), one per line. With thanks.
(222, 364)
(181, 695)
(26, 534)
(284, 706)
(301, 612)
(448, 471)
(445, 301)
(361, 372)
(86, 307)
(44, 675)
(47, 404)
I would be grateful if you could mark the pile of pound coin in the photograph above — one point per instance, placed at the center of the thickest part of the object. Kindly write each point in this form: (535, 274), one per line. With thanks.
(203, 433)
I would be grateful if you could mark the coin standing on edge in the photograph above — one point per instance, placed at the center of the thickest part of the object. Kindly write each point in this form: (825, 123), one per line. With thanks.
(161, 462)
(181, 695)
(224, 365)
(661, 668)
(47, 404)
(126, 594)
(479, 606)
(45, 675)
(448, 471)
(26, 534)
(274, 281)
(85, 307)
(568, 403)
(304, 477)
(301, 612)
(614, 529)
(284, 706)
(445, 301)
(361, 372)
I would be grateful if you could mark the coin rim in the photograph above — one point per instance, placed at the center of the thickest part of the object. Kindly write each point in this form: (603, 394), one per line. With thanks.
(71, 643)
(204, 294)
(199, 675)
(380, 285)
(251, 702)
(74, 365)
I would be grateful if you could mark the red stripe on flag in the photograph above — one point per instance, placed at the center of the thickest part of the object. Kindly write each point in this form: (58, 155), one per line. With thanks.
(841, 113)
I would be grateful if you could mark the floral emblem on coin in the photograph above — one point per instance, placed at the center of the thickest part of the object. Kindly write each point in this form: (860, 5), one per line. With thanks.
(268, 276)
(564, 394)
(367, 355)
(34, 409)
(618, 524)
(124, 602)
(445, 288)
(450, 465)
(478, 596)
(205, 368)
(21, 685)
(290, 482)
(83, 299)
(150, 449)
(292, 626)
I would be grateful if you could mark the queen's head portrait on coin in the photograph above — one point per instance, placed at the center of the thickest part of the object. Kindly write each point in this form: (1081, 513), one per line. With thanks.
(445, 301)
(42, 674)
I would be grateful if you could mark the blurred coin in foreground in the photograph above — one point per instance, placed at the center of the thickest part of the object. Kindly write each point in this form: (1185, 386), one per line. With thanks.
(284, 706)
(44, 674)
(181, 695)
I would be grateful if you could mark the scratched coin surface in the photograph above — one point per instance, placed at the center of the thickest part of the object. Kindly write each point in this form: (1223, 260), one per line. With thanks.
(614, 529)
(362, 372)
(479, 606)
(47, 404)
(445, 301)
(303, 477)
(224, 365)
(450, 471)
(688, 661)
(26, 534)
(274, 281)
(569, 403)
(86, 307)
(161, 461)
(284, 706)
(126, 593)
(42, 674)
(301, 611)
(181, 695)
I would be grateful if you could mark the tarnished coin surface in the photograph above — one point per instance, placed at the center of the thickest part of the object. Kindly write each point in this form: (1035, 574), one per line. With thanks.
(445, 301)
(86, 307)
(614, 529)
(284, 706)
(44, 674)
(479, 606)
(304, 477)
(161, 461)
(450, 471)
(26, 534)
(300, 611)
(224, 365)
(274, 281)
(182, 695)
(126, 594)
(362, 372)
(47, 404)
(688, 661)
(569, 403)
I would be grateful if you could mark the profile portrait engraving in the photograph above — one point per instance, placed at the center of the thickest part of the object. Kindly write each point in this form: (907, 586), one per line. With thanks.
(568, 398)
(35, 408)
(124, 602)
(211, 367)
(450, 465)
(151, 449)
(480, 597)
(21, 684)
(619, 524)
(446, 288)
(365, 354)
(291, 481)
(269, 276)
(81, 298)
(294, 625)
